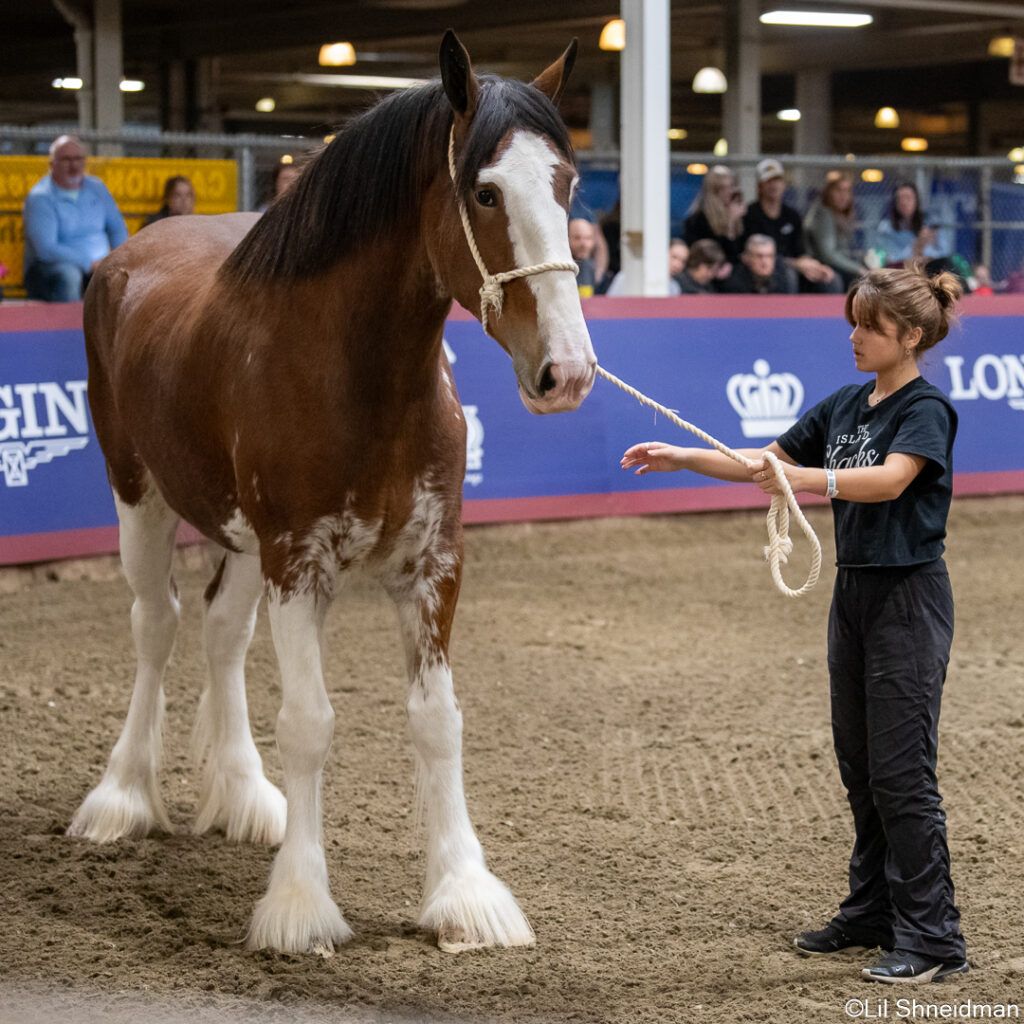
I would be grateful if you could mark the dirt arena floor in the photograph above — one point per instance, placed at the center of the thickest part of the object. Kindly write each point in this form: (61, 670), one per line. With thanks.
(648, 764)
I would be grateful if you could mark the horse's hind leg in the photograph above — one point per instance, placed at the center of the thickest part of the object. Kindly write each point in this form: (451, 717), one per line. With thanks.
(463, 903)
(127, 800)
(236, 797)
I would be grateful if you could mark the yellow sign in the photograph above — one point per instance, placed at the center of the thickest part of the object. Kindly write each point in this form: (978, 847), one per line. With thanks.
(136, 183)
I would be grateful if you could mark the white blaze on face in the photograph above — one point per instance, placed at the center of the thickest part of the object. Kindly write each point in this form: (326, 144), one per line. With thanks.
(538, 230)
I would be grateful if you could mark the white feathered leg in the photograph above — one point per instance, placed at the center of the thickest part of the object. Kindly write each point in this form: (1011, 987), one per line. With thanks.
(236, 796)
(127, 800)
(297, 914)
(463, 903)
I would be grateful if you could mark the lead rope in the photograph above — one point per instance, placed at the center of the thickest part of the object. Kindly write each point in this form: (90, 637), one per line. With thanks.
(779, 545)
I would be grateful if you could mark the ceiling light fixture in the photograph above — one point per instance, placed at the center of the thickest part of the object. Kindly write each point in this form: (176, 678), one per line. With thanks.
(871, 174)
(1001, 46)
(1016, 154)
(721, 148)
(266, 105)
(710, 80)
(914, 144)
(677, 133)
(337, 55)
(696, 168)
(886, 117)
(67, 83)
(789, 114)
(613, 35)
(816, 19)
(132, 85)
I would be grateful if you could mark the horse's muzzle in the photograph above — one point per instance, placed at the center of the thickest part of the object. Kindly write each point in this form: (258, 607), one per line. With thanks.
(560, 387)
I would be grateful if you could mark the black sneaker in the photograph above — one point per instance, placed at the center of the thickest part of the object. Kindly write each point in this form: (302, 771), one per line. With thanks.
(835, 939)
(903, 968)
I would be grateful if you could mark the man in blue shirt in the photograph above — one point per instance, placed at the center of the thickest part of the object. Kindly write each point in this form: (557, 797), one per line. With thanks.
(71, 223)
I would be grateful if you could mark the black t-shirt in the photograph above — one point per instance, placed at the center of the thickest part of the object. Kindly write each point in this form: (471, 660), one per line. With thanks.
(697, 226)
(786, 229)
(844, 432)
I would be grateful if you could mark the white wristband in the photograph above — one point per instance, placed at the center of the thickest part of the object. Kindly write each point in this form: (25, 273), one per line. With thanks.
(831, 490)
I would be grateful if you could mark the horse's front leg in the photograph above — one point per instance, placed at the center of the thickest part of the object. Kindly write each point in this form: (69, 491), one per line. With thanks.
(297, 914)
(463, 903)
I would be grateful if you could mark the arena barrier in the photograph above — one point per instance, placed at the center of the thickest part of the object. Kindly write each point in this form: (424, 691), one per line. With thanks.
(741, 367)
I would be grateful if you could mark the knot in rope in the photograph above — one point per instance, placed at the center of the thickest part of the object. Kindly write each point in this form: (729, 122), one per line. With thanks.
(492, 295)
(779, 546)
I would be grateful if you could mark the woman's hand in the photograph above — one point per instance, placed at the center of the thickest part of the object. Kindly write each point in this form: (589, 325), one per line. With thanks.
(764, 476)
(654, 457)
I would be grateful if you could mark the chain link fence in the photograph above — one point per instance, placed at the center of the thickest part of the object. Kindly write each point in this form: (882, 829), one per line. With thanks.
(974, 205)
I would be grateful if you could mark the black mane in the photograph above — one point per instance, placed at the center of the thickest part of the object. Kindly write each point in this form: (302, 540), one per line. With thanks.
(371, 178)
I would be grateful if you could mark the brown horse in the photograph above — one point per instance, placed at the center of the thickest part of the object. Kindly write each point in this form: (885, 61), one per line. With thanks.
(281, 385)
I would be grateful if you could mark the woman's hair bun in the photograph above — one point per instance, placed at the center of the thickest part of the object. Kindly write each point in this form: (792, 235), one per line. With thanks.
(947, 289)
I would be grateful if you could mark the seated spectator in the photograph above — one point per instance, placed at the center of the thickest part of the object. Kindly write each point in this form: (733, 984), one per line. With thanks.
(678, 252)
(769, 215)
(701, 270)
(759, 271)
(71, 223)
(675, 260)
(905, 234)
(582, 243)
(828, 228)
(179, 199)
(717, 213)
(284, 176)
(980, 281)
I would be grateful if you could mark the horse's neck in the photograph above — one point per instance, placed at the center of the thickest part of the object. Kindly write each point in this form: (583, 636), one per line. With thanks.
(379, 317)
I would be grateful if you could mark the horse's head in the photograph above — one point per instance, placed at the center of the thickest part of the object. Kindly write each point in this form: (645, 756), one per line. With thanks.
(513, 174)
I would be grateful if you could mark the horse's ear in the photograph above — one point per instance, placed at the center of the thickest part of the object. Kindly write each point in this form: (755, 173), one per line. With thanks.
(552, 80)
(460, 84)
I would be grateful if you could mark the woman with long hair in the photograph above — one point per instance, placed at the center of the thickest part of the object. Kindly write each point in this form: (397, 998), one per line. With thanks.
(179, 198)
(904, 234)
(829, 226)
(717, 213)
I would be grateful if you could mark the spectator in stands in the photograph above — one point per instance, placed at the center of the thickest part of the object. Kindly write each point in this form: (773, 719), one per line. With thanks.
(980, 281)
(582, 244)
(717, 213)
(71, 223)
(284, 176)
(769, 215)
(702, 265)
(678, 253)
(760, 272)
(179, 199)
(675, 261)
(828, 228)
(905, 234)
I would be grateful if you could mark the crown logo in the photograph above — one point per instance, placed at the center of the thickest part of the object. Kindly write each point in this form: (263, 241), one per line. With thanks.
(766, 402)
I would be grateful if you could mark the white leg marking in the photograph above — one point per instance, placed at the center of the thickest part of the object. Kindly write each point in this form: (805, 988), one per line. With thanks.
(463, 902)
(236, 797)
(297, 914)
(127, 800)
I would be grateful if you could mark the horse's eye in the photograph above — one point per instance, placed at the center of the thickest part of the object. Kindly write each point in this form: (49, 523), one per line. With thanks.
(486, 197)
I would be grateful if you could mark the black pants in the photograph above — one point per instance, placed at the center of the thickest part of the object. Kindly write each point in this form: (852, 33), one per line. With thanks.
(889, 635)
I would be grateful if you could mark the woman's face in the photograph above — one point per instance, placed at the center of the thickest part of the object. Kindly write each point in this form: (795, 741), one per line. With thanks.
(841, 193)
(182, 199)
(724, 185)
(906, 202)
(881, 350)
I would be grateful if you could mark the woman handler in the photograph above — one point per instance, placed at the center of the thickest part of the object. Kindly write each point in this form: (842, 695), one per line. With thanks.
(882, 451)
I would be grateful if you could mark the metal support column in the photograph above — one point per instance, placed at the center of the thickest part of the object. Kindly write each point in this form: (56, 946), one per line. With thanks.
(742, 102)
(644, 176)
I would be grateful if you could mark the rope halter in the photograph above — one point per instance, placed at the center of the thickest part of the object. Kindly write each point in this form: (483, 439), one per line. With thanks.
(492, 296)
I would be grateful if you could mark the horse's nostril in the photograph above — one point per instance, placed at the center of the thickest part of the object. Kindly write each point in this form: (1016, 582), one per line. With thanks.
(547, 380)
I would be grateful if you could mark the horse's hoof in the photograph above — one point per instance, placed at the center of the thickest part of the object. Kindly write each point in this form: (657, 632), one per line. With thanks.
(324, 950)
(452, 939)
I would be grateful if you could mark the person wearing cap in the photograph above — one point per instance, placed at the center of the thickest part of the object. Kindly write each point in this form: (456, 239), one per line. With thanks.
(71, 223)
(769, 215)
